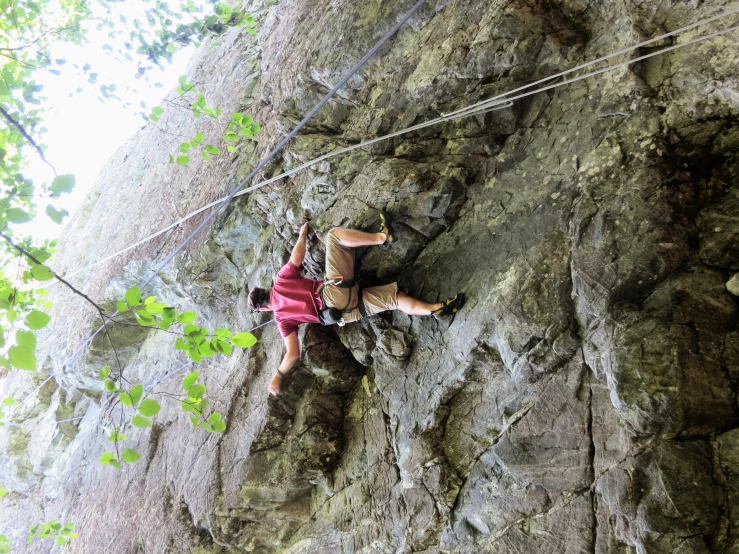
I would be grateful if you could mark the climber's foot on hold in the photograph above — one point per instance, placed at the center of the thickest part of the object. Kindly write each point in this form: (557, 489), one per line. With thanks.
(386, 228)
(449, 307)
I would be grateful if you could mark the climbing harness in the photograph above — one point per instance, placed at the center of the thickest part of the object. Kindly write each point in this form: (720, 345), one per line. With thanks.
(333, 315)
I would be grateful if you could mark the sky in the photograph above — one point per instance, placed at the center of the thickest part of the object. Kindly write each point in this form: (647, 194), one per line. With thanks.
(83, 133)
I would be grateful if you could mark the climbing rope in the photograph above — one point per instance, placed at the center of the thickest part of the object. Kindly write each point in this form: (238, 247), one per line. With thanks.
(500, 101)
(269, 156)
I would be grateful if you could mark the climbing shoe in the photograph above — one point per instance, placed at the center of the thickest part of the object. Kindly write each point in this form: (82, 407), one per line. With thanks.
(386, 227)
(450, 307)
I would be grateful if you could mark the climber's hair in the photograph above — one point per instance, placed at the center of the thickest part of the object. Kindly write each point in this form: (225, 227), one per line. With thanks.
(258, 298)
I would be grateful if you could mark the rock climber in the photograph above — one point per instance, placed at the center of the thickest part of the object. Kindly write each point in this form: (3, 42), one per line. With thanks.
(337, 299)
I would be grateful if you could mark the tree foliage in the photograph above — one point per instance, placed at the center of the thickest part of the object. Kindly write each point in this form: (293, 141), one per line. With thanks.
(30, 31)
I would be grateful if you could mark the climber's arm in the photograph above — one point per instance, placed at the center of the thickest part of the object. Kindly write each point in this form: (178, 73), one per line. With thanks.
(298, 254)
(288, 361)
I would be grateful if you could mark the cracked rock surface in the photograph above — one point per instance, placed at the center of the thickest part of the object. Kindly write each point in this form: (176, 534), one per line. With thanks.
(583, 401)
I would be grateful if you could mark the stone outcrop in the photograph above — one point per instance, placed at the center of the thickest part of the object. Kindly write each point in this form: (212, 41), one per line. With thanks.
(584, 401)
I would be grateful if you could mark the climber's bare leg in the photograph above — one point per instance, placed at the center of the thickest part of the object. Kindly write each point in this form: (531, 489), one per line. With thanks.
(352, 238)
(412, 306)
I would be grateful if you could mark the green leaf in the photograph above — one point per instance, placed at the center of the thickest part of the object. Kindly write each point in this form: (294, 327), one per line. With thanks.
(219, 427)
(196, 391)
(187, 317)
(141, 422)
(222, 333)
(106, 458)
(57, 216)
(231, 136)
(210, 149)
(244, 340)
(129, 455)
(41, 273)
(183, 160)
(206, 426)
(11, 315)
(171, 48)
(205, 350)
(182, 79)
(133, 296)
(16, 215)
(191, 329)
(103, 373)
(9, 401)
(149, 300)
(143, 317)
(149, 407)
(256, 128)
(216, 346)
(199, 137)
(36, 320)
(26, 338)
(121, 306)
(226, 349)
(155, 308)
(110, 386)
(62, 184)
(22, 357)
(136, 393)
(3, 492)
(189, 381)
(194, 421)
(214, 417)
(184, 147)
(116, 464)
(195, 355)
(61, 540)
(188, 407)
(126, 399)
(116, 436)
(157, 111)
(205, 156)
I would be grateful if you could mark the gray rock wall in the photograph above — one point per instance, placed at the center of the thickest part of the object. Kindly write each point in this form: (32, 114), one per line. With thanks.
(584, 401)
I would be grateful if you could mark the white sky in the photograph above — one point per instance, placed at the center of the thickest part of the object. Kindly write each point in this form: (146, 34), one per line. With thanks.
(83, 133)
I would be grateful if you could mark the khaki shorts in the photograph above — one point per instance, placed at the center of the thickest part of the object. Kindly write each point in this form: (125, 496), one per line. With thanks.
(340, 262)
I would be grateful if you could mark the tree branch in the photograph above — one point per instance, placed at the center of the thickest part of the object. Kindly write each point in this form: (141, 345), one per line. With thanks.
(35, 260)
(23, 132)
(47, 32)
(78, 292)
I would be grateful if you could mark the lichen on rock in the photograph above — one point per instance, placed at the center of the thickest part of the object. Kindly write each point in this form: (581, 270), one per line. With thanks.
(584, 400)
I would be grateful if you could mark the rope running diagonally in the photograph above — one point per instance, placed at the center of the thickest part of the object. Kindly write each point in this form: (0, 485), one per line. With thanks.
(269, 156)
(458, 114)
(485, 106)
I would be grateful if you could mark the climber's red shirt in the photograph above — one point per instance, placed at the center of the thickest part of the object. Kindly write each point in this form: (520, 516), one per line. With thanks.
(294, 299)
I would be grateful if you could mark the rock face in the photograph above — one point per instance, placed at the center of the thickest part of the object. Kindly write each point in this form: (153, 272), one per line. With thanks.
(584, 401)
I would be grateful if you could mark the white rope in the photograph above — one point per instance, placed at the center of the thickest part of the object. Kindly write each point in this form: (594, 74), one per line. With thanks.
(602, 59)
(500, 101)
(493, 103)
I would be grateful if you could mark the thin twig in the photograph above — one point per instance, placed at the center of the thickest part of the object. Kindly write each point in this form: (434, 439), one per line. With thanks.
(173, 134)
(47, 32)
(78, 292)
(23, 132)
(117, 322)
(35, 260)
